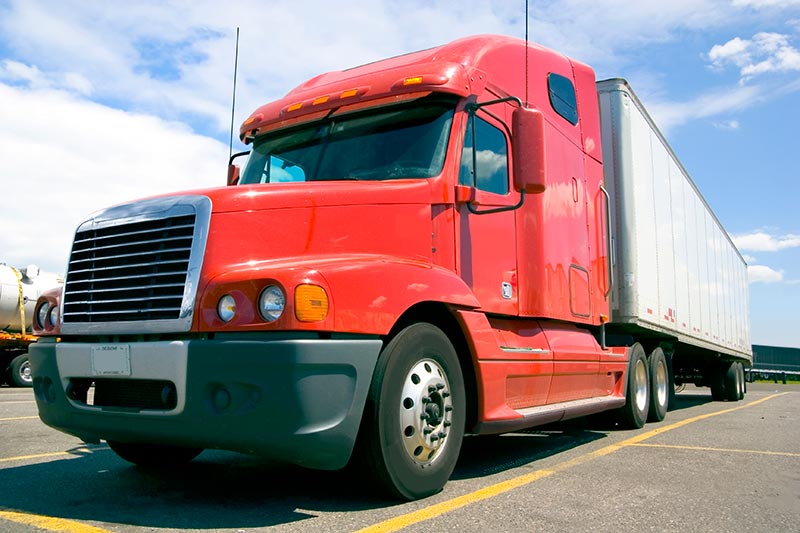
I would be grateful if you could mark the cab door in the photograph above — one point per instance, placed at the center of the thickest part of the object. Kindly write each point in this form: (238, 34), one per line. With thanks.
(485, 223)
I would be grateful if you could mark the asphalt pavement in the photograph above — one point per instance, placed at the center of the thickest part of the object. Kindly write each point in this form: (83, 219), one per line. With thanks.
(710, 466)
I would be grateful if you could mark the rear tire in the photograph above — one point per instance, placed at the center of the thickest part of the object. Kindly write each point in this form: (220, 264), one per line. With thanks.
(733, 382)
(154, 455)
(742, 382)
(659, 386)
(414, 418)
(633, 414)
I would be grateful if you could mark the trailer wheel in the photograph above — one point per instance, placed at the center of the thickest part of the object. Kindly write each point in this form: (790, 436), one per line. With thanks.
(19, 372)
(742, 381)
(633, 414)
(153, 455)
(414, 418)
(659, 386)
(733, 382)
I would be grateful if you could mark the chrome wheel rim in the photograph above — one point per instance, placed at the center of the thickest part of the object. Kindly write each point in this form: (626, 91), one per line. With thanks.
(661, 383)
(426, 410)
(25, 372)
(640, 394)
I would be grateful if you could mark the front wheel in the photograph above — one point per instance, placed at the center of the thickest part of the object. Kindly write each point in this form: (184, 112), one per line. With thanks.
(414, 418)
(153, 455)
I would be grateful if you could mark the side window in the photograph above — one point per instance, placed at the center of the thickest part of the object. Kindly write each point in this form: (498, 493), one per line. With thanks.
(562, 97)
(485, 148)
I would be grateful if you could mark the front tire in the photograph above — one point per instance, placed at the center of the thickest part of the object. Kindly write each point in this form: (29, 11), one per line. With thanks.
(414, 418)
(154, 455)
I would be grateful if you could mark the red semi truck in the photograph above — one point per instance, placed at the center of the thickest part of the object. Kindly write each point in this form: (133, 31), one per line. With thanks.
(419, 248)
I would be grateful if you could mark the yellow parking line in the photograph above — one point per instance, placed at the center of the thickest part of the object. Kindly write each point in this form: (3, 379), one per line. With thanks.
(402, 521)
(49, 523)
(727, 450)
(19, 418)
(74, 452)
(34, 456)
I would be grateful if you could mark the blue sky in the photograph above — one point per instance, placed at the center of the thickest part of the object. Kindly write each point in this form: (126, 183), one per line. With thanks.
(102, 102)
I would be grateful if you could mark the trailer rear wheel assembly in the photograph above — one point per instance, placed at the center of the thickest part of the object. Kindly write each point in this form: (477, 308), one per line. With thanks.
(733, 382)
(413, 421)
(727, 382)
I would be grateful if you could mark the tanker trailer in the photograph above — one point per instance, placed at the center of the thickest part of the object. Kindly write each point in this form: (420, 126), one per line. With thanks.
(19, 290)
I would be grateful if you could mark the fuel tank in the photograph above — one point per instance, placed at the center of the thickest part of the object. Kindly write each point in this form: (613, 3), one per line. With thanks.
(25, 285)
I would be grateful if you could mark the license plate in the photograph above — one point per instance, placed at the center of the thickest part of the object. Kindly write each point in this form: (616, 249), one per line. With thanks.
(111, 360)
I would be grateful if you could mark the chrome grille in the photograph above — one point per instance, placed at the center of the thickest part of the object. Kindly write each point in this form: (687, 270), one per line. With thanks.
(133, 264)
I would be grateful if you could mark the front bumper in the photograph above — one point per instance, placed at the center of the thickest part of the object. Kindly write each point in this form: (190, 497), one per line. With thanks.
(292, 399)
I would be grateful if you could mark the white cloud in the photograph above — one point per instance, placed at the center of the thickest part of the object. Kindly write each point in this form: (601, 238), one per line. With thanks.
(671, 114)
(729, 125)
(62, 158)
(29, 75)
(763, 274)
(760, 241)
(764, 53)
(761, 4)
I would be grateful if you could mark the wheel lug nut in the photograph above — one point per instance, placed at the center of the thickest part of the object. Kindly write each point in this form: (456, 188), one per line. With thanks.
(427, 431)
(445, 394)
(431, 389)
(425, 399)
(448, 408)
(439, 386)
(434, 438)
(447, 423)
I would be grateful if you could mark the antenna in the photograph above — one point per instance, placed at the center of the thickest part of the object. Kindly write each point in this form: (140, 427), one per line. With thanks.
(526, 53)
(233, 104)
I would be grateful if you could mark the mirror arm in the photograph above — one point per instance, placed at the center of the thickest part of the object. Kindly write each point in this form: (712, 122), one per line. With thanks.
(238, 154)
(475, 211)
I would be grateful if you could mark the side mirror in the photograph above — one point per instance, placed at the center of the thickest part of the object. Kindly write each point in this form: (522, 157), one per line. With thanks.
(233, 170)
(527, 129)
(233, 174)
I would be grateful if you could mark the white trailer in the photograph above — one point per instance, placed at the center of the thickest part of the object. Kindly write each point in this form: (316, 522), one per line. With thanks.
(678, 280)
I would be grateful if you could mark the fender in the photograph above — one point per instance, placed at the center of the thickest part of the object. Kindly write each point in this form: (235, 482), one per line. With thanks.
(367, 293)
(371, 292)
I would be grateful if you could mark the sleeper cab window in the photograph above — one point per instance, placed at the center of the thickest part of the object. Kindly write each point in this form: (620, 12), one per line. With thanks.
(562, 97)
(484, 147)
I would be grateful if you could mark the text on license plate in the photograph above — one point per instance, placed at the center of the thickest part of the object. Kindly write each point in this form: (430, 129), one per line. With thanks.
(111, 360)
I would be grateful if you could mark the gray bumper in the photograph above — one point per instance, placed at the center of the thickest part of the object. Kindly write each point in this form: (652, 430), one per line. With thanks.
(294, 400)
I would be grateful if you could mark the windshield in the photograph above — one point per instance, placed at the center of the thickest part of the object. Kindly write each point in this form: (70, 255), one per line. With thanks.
(402, 141)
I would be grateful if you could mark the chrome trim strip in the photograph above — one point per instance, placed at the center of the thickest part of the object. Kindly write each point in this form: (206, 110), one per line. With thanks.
(523, 349)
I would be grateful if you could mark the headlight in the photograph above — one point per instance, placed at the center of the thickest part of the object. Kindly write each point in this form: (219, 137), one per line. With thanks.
(271, 303)
(41, 315)
(52, 316)
(226, 308)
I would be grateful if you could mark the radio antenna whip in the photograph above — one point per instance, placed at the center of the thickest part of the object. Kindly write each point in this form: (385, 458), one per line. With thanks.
(233, 104)
(526, 53)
